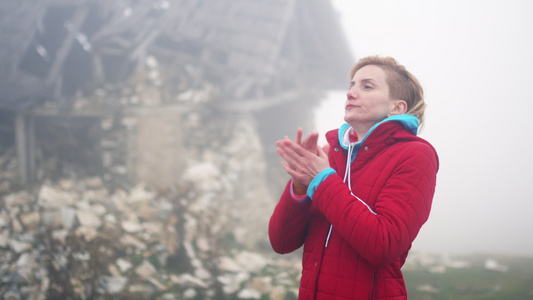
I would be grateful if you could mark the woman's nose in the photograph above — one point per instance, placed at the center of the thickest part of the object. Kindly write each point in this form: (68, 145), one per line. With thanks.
(352, 93)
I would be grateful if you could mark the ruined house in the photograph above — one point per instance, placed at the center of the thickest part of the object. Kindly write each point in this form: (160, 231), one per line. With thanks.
(89, 59)
(154, 102)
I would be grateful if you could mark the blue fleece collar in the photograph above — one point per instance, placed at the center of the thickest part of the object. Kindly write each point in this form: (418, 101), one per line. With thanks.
(409, 122)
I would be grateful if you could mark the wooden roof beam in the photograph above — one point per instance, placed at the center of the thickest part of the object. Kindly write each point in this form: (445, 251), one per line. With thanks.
(62, 53)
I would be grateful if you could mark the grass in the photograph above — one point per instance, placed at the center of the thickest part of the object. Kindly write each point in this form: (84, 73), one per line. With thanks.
(475, 282)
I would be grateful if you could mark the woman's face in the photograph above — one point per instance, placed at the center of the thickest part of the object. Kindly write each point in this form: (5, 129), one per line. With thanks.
(368, 99)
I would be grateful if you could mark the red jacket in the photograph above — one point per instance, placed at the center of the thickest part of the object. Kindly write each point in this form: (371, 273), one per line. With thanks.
(395, 174)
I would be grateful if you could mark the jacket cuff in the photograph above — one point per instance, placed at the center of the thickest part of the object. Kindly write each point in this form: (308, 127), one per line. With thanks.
(319, 178)
(299, 198)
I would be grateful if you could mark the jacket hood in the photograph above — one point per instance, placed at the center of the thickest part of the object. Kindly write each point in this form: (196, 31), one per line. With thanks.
(409, 122)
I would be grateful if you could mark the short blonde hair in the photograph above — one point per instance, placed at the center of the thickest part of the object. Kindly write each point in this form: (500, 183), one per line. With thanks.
(402, 84)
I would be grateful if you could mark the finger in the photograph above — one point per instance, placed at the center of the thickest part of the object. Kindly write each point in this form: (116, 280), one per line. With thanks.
(290, 170)
(322, 161)
(296, 149)
(290, 156)
(299, 167)
(286, 166)
(322, 153)
(311, 142)
(296, 176)
(326, 149)
(299, 134)
(287, 153)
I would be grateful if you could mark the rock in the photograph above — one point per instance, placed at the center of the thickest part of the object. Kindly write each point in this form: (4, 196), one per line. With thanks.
(25, 259)
(30, 220)
(94, 196)
(157, 284)
(88, 219)
(189, 293)
(203, 244)
(18, 199)
(262, 284)
(131, 226)
(11, 295)
(4, 238)
(201, 172)
(146, 270)
(147, 212)
(493, 265)
(123, 265)
(128, 240)
(98, 209)
(52, 219)
(232, 282)
(251, 262)
(202, 273)
(87, 233)
(152, 228)
(278, 293)
(4, 220)
(249, 294)
(227, 264)
(68, 215)
(60, 235)
(115, 285)
(52, 197)
(189, 280)
(19, 247)
(140, 194)
(24, 276)
(15, 224)
(428, 288)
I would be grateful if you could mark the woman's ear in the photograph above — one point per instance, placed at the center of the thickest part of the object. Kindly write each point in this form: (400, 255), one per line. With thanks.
(399, 108)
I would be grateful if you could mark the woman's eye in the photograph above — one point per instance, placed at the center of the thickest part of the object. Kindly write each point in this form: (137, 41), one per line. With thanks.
(367, 87)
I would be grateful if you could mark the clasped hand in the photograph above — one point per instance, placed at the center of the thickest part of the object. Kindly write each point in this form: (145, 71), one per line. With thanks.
(302, 160)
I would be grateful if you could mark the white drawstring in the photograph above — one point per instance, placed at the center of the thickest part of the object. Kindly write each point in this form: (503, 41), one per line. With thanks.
(348, 163)
(329, 234)
(348, 174)
(347, 179)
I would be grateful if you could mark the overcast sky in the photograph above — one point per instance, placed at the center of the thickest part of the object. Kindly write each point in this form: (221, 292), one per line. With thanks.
(474, 60)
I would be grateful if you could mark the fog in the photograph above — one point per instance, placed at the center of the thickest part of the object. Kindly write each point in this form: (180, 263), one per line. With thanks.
(474, 60)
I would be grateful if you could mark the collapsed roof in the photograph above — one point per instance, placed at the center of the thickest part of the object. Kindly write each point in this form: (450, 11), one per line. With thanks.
(51, 50)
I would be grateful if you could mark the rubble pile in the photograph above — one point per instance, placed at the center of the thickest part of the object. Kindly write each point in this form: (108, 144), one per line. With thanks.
(77, 235)
(76, 240)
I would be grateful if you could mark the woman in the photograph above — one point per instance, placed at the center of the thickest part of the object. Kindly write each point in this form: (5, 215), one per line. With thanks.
(357, 204)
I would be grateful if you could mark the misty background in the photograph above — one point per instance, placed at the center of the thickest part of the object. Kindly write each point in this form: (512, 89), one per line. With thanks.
(473, 59)
(137, 140)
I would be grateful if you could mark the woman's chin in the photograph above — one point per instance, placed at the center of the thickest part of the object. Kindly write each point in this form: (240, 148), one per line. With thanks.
(349, 118)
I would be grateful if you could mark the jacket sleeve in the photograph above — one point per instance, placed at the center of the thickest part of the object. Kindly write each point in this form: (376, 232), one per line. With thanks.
(402, 206)
(288, 223)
